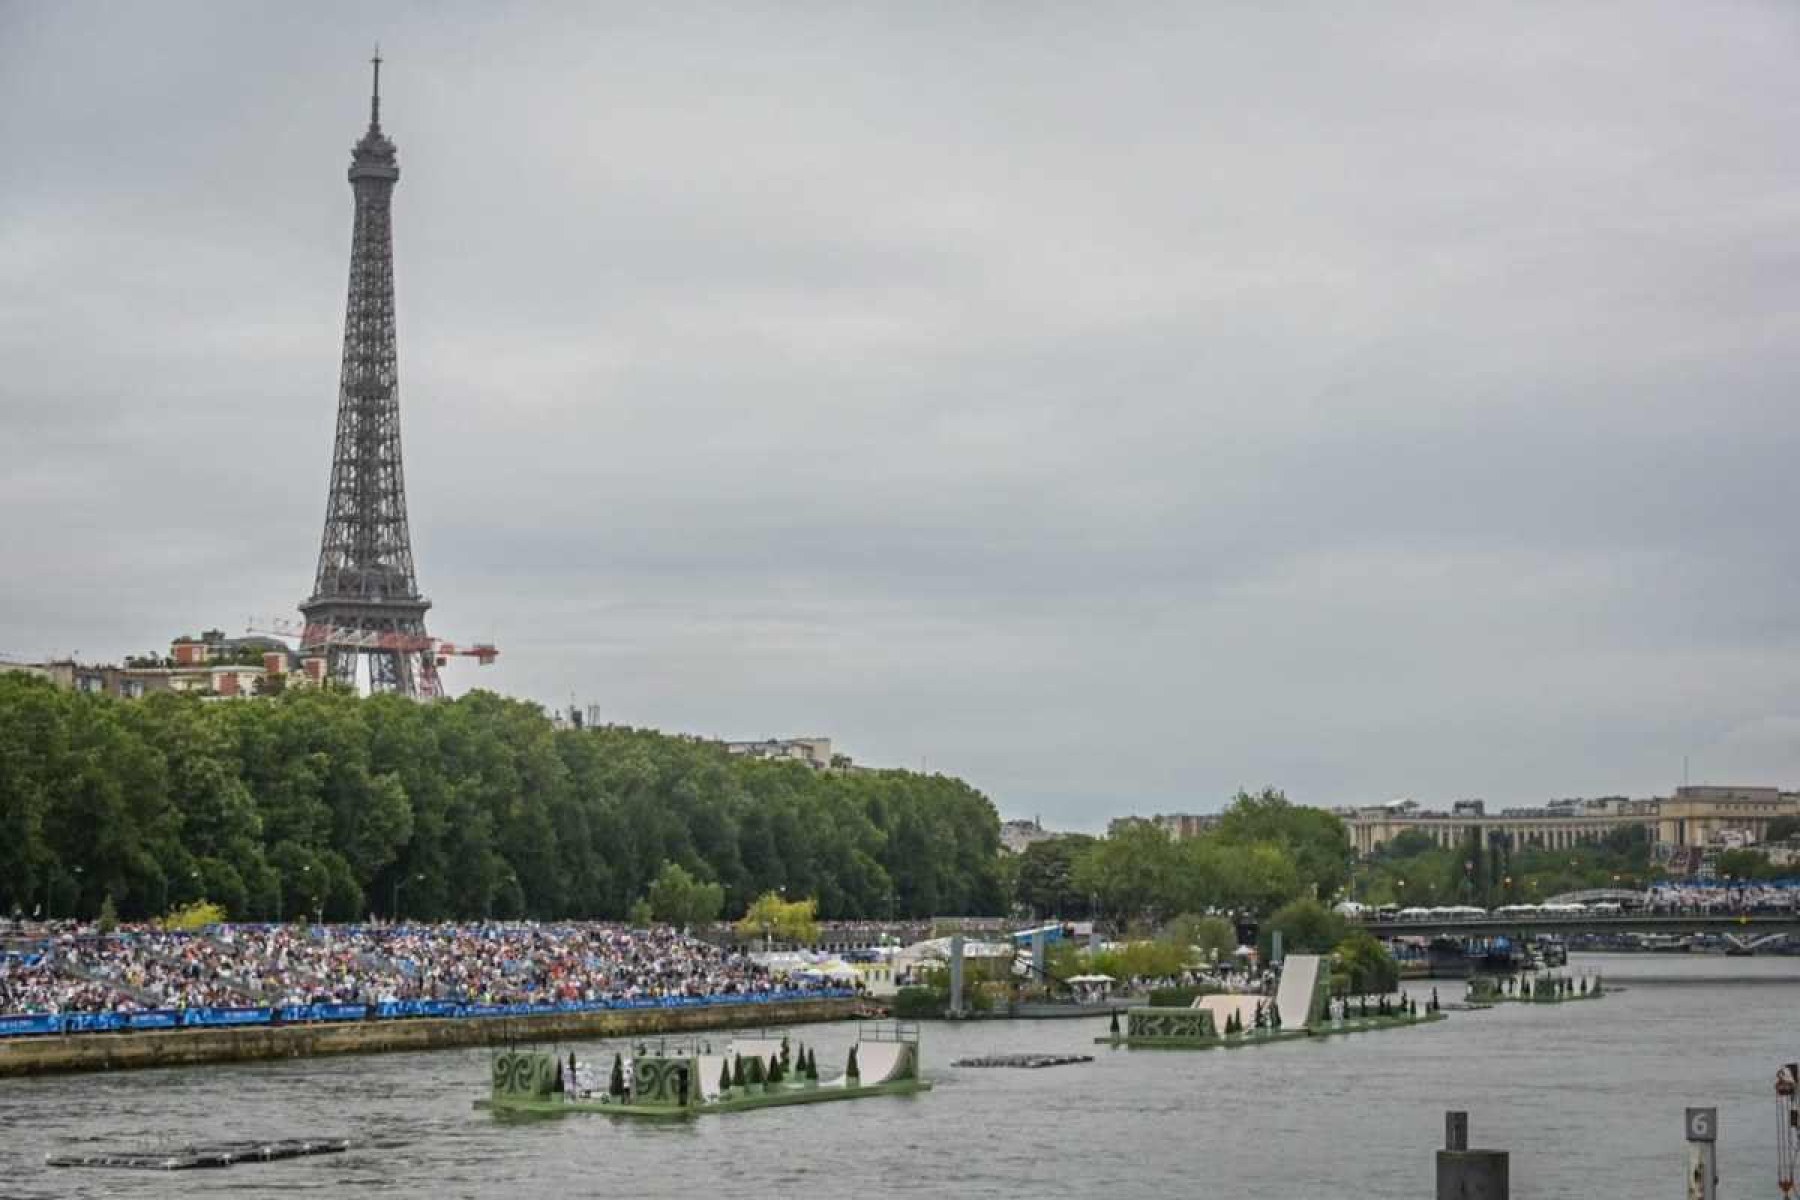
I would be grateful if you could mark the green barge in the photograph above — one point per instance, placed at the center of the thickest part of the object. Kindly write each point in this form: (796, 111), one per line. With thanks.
(688, 1079)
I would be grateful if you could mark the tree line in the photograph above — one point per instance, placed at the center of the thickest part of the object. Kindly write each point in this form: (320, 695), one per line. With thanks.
(1411, 869)
(325, 804)
(1264, 852)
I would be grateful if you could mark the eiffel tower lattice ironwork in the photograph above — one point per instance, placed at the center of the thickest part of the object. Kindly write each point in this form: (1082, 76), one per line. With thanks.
(365, 579)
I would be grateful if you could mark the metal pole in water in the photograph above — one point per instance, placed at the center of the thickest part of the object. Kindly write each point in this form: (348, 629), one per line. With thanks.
(1702, 1126)
(1465, 1174)
(956, 974)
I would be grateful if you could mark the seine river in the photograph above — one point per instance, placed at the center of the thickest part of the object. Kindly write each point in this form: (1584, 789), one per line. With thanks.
(1588, 1097)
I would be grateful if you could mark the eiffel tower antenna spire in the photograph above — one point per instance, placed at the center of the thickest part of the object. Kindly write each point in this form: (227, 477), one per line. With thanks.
(375, 96)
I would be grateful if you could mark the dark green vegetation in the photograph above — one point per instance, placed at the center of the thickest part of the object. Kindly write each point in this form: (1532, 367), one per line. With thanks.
(1413, 870)
(1264, 852)
(323, 804)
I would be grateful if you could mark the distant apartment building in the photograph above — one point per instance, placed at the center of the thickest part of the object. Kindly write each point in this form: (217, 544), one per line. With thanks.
(1179, 826)
(1697, 816)
(815, 752)
(1015, 836)
(210, 665)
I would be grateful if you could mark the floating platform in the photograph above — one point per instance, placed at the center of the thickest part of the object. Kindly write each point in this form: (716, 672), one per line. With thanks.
(1300, 1009)
(1032, 1061)
(1266, 1037)
(687, 1081)
(1549, 989)
(212, 1154)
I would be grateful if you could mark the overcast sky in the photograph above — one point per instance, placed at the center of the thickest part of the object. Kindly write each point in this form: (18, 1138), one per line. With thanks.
(1113, 405)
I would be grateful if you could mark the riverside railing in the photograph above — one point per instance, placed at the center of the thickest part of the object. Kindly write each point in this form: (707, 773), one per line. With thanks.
(59, 1024)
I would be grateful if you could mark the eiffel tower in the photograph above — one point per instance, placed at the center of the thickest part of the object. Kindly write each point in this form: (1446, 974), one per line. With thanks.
(365, 581)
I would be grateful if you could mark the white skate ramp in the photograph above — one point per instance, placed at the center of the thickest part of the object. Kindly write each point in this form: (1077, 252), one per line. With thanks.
(1227, 1005)
(763, 1048)
(710, 1066)
(879, 1062)
(1294, 996)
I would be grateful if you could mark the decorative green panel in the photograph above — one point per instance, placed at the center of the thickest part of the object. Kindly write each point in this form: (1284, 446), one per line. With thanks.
(524, 1074)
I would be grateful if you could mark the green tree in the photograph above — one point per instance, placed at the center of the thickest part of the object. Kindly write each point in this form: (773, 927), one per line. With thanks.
(1212, 939)
(1137, 872)
(772, 916)
(1045, 883)
(1746, 865)
(1782, 828)
(318, 802)
(679, 899)
(1306, 927)
(1366, 965)
(1315, 840)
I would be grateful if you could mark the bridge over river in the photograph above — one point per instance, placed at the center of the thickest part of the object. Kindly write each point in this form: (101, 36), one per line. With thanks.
(1742, 926)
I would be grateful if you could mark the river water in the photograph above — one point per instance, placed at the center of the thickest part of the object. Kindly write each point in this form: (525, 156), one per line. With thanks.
(1588, 1097)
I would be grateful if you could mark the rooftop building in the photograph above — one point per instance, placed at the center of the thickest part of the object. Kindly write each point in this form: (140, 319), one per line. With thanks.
(1694, 816)
(1179, 826)
(210, 665)
(815, 752)
(1015, 836)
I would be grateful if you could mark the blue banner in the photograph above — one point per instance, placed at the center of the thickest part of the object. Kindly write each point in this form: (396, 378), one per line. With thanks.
(92, 1022)
(161, 1018)
(227, 1016)
(18, 1025)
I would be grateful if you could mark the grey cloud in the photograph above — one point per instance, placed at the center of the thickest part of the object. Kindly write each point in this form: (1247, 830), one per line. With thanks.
(1115, 408)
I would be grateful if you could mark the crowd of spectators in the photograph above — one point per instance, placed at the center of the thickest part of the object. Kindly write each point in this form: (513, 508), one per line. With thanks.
(491, 963)
(1701, 899)
(30, 984)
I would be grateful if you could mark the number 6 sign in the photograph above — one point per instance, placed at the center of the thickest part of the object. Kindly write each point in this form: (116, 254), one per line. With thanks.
(1702, 1124)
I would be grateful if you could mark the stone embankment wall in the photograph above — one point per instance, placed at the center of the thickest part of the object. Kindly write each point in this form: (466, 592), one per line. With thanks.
(186, 1047)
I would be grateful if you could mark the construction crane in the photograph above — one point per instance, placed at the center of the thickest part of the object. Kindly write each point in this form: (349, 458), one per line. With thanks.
(438, 652)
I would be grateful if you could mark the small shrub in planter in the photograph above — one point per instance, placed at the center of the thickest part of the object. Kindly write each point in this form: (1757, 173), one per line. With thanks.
(724, 1078)
(738, 1078)
(616, 1086)
(1114, 1027)
(850, 1068)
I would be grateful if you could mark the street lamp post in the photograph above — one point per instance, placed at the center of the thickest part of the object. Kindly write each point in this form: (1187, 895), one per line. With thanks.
(400, 882)
(312, 901)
